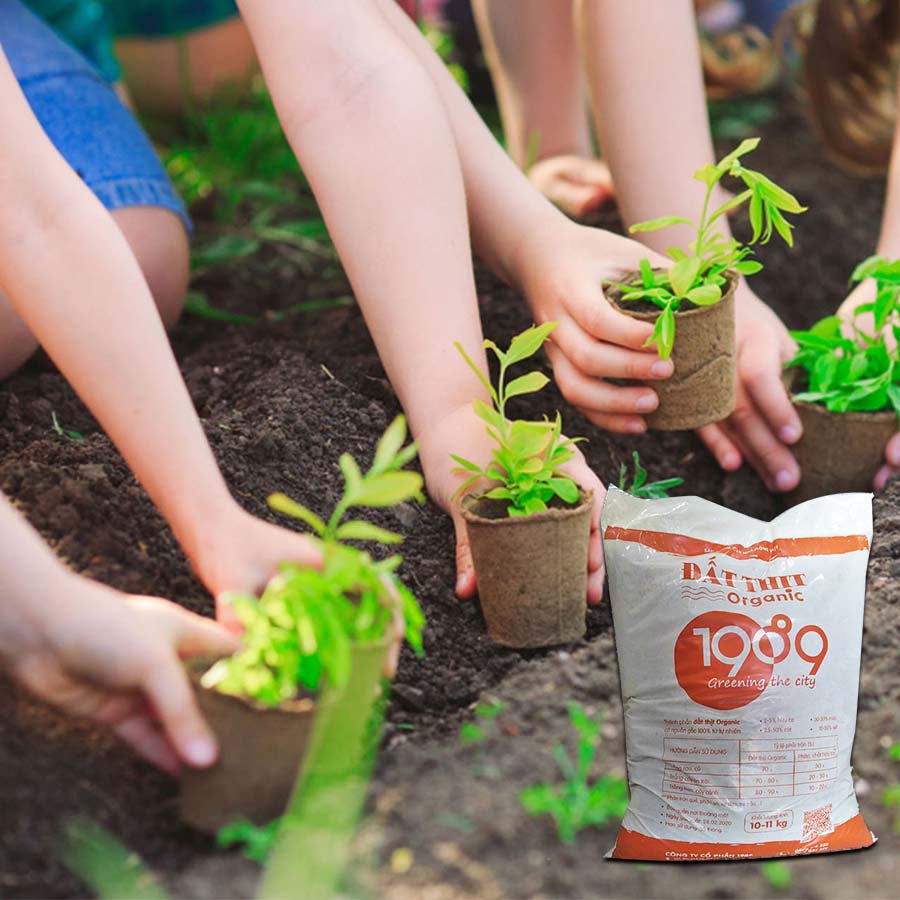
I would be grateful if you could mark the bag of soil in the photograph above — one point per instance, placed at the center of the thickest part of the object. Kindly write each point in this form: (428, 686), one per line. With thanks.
(739, 649)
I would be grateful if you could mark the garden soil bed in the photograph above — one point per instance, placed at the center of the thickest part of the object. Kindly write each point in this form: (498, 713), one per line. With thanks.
(280, 401)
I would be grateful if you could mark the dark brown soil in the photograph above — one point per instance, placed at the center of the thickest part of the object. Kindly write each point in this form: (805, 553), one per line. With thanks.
(280, 402)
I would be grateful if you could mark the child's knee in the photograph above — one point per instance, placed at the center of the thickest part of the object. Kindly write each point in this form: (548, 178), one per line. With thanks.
(160, 244)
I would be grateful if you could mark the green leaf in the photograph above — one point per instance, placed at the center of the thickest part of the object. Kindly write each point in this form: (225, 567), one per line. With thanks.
(663, 333)
(526, 384)
(389, 445)
(708, 174)
(756, 216)
(475, 368)
(659, 224)
(283, 504)
(746, 146)
(351, 473)
(683, 274)
(778, 195)
(705, 295)
(357, 530)
(565, 489)
(528, 342)
(748, 267)
(388, 489)
(487, 413)
(529, 438)
(465, 464)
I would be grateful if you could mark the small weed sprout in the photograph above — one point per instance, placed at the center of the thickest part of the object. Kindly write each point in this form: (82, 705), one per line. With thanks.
(578, 803)
(777, 873)
(257, 840)
(476, 732)
(859, 371)
(698, 275)
(890, 796)
(65, 432)
(528, 455)
(302, 628)
(640, 487)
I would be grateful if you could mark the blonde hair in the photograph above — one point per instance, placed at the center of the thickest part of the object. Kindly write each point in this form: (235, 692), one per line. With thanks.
(849, 51)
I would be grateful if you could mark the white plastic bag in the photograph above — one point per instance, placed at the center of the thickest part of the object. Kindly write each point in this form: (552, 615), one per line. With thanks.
(739, 650)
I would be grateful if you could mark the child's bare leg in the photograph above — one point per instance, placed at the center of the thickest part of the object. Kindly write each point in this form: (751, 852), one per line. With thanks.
(169, 75)
(158, 241)
(533, 55)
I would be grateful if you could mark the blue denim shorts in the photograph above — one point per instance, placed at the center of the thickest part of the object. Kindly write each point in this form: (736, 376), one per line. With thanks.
(83, 116)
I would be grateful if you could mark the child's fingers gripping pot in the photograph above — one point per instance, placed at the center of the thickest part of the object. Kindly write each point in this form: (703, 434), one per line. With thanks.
(739, 650)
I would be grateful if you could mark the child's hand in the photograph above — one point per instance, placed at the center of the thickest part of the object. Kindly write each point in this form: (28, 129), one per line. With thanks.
(864, 292)
(101, 655)
(239, 553)
(561, 270)
(463, 434)
(764, 421)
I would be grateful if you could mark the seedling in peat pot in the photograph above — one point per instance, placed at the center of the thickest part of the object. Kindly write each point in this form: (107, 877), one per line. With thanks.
(529, 531)
(310, 630)
(578, 803)
(692, 303)
(845, 380)
(640, 487)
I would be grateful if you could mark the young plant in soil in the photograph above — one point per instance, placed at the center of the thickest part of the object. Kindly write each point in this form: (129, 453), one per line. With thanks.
(890, 796)
(578, 803)
(845, 382)
(528, 532)
(692, 303)
(640, 487)
(310, 635)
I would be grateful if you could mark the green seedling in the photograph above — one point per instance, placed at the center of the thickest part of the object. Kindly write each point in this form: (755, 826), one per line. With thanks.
(197, 304)
(256, 841)
(640, 487)
(106, 866)
(700, 272)
(890, 796)
(847, 368)
(65, 432)
(527, 459)
(300, 632)
(485, 713)
(578, 803)
(777, 873)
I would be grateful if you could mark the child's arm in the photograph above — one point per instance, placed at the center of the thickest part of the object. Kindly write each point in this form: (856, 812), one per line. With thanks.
(646, 83)
(370, 131)
(888, 246)
(558, 265)
(71, 277)
(520, 235)
(99, 654)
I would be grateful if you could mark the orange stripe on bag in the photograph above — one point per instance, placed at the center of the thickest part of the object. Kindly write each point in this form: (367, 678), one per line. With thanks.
(682, 545)
(850, 835)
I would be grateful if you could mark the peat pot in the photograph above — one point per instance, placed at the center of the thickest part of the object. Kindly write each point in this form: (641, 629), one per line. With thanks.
(261, 750)
(840, 452)
(701, 391)
(531, 570)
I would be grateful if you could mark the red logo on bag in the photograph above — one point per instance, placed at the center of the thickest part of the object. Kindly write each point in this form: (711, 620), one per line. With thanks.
(724, 660)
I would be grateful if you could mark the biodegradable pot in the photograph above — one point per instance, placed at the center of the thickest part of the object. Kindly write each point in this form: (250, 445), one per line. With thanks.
(531, 570)
(260, 753)
(840, 452)
(262, 749)
(701, 390)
